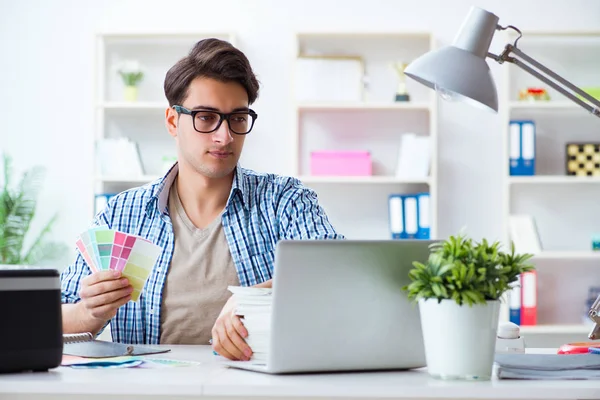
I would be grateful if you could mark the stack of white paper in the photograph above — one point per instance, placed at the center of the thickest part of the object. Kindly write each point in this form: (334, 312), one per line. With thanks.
(253, 305)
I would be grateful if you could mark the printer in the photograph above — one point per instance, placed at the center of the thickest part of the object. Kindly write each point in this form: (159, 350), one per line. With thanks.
(31, 319)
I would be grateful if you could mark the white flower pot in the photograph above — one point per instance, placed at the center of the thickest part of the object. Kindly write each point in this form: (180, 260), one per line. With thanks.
(460, 341)
(130, 93)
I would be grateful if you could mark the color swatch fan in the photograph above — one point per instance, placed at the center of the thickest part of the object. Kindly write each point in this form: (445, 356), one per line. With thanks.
(108, 249)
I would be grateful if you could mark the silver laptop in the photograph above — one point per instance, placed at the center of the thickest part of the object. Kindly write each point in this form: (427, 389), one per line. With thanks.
(338, 305)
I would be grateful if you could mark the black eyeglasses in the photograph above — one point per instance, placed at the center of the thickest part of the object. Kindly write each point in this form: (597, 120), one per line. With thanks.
(207, 121)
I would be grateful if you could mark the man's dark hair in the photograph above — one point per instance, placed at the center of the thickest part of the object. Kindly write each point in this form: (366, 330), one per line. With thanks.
(210, 58)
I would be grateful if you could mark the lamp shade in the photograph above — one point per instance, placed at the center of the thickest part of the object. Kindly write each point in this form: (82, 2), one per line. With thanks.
(460, 70)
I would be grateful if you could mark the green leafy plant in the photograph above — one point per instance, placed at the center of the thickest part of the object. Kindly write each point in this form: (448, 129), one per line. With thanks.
(466, 271)
(17, 210)
(131, 73)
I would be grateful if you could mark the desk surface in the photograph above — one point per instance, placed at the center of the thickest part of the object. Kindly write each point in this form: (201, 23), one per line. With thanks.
(213, 380)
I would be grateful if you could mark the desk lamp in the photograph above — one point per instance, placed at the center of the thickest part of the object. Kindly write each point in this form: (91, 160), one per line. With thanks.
(460, 72)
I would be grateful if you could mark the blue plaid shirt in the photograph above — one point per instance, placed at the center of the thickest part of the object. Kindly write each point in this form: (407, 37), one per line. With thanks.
(261, 210)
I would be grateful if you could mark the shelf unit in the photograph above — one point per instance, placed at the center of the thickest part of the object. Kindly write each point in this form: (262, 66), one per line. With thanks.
(374, 124)
(142, 120)
(564, 207)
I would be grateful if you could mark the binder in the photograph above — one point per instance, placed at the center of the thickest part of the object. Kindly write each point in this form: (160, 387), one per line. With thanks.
(528, 147)
(515, 147)
(396, 214)
(424, 211)
(522, 148)
(514, 303)
(529, 298)
(409, 216)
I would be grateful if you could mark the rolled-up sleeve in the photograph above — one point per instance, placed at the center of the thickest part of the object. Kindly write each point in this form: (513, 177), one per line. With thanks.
(71, 276)
(302, 217)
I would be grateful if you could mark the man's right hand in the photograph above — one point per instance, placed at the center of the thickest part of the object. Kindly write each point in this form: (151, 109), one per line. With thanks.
(102, 293)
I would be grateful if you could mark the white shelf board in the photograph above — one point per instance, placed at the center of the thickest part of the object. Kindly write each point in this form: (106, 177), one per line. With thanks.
(544, 105)
(557, 179)
(134, 105)
(351, 106)
(556, 329)
(127, 179)
(568, 255)
(362, 179)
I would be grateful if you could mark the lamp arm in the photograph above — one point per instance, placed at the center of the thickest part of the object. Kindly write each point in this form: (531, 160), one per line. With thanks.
(593, 108)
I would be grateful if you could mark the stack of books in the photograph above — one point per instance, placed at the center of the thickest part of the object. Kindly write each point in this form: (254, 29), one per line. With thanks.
(253, 305)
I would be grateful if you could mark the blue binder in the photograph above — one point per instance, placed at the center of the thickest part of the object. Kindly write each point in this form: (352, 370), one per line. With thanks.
(424, 216)
(522, 147)
(409, 216)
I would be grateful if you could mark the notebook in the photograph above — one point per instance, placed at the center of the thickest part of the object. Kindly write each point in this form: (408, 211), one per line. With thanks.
(84, 345)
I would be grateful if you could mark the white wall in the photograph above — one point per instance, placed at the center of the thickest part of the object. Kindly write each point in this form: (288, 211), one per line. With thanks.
(46, 70)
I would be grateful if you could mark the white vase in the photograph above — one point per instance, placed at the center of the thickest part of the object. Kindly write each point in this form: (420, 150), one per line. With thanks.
(460, 341)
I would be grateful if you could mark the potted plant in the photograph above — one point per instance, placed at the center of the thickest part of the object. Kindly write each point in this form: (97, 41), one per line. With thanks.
(458, 290)
(132, 75)
(17, 209)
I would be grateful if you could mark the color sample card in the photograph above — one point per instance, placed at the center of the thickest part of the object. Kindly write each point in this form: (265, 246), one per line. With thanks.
(141, 260)
(108, 249)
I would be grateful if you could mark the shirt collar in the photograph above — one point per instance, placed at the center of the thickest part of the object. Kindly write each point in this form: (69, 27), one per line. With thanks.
(160, 196)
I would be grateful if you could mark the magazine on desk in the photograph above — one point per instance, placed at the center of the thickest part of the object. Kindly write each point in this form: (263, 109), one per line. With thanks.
(84, 345)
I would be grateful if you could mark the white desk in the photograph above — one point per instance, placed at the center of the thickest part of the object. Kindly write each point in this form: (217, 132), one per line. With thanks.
(211, 380)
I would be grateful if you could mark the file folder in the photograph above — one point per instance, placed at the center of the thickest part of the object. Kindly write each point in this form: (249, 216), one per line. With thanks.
(424, 216)
(409, 216)
(396, 212)
(529, 298)
(514, 303)
(522, 148)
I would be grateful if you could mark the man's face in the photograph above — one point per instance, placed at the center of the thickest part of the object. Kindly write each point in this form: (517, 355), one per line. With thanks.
(215, 154)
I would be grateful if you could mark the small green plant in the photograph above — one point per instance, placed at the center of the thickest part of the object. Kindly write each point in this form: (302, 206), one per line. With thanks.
(17, 209)
(466, 271)
(131, 73)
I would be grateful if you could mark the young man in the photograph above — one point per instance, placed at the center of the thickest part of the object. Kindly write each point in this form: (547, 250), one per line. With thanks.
(217, 223)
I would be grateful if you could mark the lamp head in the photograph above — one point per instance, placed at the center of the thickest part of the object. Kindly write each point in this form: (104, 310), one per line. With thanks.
(460, 71)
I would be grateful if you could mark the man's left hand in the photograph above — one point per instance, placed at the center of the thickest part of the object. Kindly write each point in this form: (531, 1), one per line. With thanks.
(229, 332)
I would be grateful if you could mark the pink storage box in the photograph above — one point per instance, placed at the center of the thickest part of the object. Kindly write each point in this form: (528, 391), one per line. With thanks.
(340, 163)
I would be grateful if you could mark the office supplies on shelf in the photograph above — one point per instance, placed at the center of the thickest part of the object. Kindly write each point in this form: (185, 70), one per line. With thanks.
(529, 298)
(84, 345)
(514, 302)
(340, 163)
(524, 234)
(414, 156)
(107, 249)
(409, 216)
(118, 157)
(522, 147)
(582, 159)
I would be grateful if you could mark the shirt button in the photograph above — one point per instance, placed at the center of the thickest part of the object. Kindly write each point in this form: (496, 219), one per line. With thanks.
(152, 311)
(159, 269)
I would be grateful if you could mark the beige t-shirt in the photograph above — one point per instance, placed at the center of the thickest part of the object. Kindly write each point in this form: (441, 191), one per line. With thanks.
(196, 286)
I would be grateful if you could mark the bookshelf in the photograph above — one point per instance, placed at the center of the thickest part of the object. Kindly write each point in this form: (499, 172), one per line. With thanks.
(142, 120)
(564, 207)
(358, 205)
